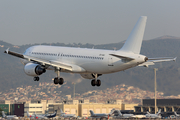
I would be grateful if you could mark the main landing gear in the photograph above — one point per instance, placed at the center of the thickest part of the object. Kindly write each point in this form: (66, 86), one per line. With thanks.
(95, 81)
(36, 78)
(58, 79)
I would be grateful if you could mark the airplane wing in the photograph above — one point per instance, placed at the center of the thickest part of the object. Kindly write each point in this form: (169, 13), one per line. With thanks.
(151, 61)
(56, 64)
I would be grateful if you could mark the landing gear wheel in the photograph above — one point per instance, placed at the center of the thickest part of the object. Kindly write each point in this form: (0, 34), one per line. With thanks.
(56, 80)
(93, 82)
(36, 78)
(61, 81)
(98, 83)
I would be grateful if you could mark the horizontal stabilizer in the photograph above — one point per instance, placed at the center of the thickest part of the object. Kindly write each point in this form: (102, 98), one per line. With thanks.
(151, 61)
(161, 59)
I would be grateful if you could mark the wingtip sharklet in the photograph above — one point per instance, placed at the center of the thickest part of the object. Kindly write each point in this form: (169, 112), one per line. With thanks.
(6, 51)
(175, 59)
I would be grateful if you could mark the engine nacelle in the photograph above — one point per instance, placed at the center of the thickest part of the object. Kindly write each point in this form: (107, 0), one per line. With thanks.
(89, 75)
(32, 69)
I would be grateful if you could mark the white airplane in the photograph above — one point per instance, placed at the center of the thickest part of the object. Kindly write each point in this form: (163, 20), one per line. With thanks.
(89, 63)
(119, 115)
(30, 116)
(9, 116)
(43, 116)
(101, 115)
(64, 115)
(177, 115)
(139, 116)
(157, 115)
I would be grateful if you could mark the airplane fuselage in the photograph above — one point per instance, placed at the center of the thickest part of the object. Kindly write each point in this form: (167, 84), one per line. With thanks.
(90, 60)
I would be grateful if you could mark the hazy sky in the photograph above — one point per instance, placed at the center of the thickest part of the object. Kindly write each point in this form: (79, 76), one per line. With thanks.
(85, 21)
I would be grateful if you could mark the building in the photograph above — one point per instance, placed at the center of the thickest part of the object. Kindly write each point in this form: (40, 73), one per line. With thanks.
(5, 108)
(128, 107)
(166, 105)
(17, 109)
(68, 107)
(37, 106)
(82, 107)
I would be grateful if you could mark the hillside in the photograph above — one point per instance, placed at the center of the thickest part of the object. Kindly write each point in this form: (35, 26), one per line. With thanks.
(168, 75)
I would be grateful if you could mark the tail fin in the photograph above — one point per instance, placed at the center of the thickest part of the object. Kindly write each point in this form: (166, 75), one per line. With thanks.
(119, 113)
(92, 113)
(34, 114)
(176, 114)
(3, 114)
(27, 113)
(148, 112)
(55, 112)
(134, 41)
(61, 111)
(159, 112)
(112, 111)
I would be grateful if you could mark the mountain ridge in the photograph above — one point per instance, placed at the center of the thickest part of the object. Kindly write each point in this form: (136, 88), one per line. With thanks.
(12, 75)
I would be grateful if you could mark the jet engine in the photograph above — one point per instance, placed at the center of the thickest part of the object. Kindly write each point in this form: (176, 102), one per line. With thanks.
(89, 75)
(32, 69)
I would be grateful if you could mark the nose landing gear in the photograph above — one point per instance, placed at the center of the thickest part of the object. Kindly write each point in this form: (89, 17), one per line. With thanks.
(58, 79)
(95, 81)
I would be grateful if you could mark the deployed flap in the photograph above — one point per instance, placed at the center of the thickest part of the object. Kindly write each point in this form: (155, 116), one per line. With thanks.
(146, 64)
(72, 67)
(122, 57)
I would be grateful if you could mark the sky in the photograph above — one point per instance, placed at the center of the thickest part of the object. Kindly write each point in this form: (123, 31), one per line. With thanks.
(85, 21)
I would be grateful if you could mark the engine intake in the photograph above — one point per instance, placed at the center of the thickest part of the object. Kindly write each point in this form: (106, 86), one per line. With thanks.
(39, 70)
(146, 59)
(32, 69)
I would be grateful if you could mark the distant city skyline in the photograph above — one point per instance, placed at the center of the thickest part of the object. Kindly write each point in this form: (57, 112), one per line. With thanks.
(95, 22)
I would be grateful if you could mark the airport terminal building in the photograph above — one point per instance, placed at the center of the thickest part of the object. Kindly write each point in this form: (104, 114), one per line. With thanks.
(166, 105)
(82, 107)
(79, 107)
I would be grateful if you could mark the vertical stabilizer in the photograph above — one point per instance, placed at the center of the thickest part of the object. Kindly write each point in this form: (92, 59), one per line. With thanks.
(61, 111)
(112, 111)
(176, 114)
(134, 41)
(27, 114)
(3, 114)
(119, 113)
(159, 112)
(92, 113)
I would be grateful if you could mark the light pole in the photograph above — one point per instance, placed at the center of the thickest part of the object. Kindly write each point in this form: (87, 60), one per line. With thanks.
(74, 89)
(155, 69)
